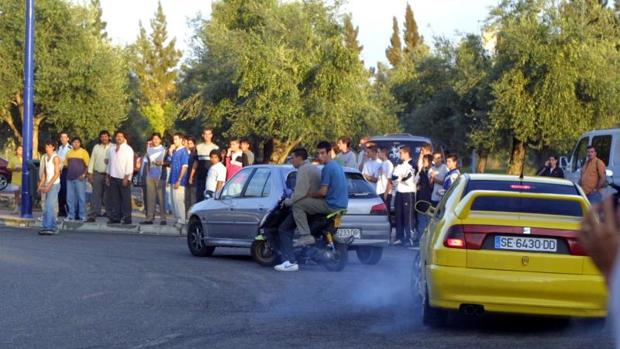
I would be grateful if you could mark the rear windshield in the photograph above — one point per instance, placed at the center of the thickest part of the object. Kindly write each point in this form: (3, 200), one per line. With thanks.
(517, 186)
(357, 186)
(394, 147)
(527, 205)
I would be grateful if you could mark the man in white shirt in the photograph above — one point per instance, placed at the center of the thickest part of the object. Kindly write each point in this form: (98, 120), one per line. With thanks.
(120, 169)
(404, 178)
(437, 174)
(217, 174)
(384, 183)
(97, 175)
(372, 167)
(62, 151)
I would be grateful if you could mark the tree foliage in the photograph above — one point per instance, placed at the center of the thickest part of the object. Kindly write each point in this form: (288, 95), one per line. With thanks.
(282, 72)
(394, 52)
(79, 76)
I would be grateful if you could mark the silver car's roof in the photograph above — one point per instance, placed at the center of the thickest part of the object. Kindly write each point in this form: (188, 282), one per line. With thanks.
(400, 137)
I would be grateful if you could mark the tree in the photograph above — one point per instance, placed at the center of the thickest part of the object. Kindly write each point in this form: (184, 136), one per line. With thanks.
(395, 51)
(413, 40)
(350, 36)
(557, 70)
(99, 25)
(281, 72)
(153, 61)
(79, 77)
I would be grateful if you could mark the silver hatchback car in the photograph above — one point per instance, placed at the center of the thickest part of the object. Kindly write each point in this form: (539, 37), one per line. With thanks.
(233, 217)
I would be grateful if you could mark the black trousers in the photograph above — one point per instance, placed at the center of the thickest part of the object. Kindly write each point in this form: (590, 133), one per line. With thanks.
(119, 197)
(404, 217)
(62, 194)
(286, 230)
(201, 179)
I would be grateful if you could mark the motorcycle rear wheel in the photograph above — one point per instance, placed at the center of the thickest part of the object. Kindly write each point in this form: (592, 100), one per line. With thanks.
(340, 259)
(263, 254)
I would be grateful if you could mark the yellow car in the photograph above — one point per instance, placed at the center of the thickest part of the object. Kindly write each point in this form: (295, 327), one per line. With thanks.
(506, 244)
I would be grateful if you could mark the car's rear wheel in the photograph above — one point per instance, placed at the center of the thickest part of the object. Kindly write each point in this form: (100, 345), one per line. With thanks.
(4, 182)
(369, 255)
(263, 254)
(339, 261)
(195, 240)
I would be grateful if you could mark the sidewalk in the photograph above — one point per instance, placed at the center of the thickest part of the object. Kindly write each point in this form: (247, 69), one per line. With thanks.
(10, 219)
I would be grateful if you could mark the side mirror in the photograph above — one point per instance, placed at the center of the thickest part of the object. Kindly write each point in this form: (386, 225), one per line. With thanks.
(425, 207)
(610, 175)
(563, 162)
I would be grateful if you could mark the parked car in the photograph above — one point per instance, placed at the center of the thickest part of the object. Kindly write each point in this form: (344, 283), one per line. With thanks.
(395, 141)
(232, 218)
(5, 174)
(607, 145)
(505, 244)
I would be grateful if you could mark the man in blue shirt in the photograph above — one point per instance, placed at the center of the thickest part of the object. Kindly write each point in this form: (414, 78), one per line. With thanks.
(178, 178)
(332, 196)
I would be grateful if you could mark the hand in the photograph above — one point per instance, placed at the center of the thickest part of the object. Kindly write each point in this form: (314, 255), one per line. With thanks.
(90, 178)
(191, 180)
(600, 236)
(125, 182)
(45, 189)
(177, 185)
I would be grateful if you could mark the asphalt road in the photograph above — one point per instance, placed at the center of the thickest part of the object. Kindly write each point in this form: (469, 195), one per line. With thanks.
(79, 290)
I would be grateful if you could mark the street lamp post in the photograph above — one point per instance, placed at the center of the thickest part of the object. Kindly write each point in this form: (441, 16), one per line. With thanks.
(26, 207)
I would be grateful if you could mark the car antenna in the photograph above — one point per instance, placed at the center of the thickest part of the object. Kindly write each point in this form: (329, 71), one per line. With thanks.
(523, 163)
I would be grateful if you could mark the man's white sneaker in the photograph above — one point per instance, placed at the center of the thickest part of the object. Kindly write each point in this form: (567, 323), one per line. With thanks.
(287, 266)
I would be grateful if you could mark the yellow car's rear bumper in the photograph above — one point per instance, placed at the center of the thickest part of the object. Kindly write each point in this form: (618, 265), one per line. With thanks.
(518, 292)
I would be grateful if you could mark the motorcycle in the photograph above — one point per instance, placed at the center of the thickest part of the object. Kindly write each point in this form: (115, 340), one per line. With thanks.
(329, 250)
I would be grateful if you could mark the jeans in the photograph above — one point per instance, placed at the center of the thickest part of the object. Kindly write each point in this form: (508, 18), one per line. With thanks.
(595, 197)
(76, 198)
(286, 231)
(178, 203)
(423, 221)
(49, 208)
(403, 208)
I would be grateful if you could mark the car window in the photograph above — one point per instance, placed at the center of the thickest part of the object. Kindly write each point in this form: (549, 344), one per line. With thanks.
(518, 186)
(259, 185)
(602, 144)
(234, 187)
(291, 180)
(580, 153)
(527, 205)
(441, 207)
(358, 187)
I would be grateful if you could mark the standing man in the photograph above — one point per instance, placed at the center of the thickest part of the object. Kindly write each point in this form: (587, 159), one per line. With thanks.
(332, 196)
(97, 175)
(76, 162)
(201, 167)
(155, 154)
(217, 174)
(372, 167)
(405, 182)
(63, 149)
(49, 186)
(437, 174)
(593, 177)
(15, 166)
(384, 183)
(120, 170)
(346, 157)
(452, 162)
(178, 178)
(245, 147)
(308, 181)
(361, 156)
(190, 188)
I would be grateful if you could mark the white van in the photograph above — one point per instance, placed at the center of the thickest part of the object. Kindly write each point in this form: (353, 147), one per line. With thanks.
(607, 145)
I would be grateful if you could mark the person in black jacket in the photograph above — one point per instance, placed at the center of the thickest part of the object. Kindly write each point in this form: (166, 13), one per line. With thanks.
(551, 169)
(425, 191)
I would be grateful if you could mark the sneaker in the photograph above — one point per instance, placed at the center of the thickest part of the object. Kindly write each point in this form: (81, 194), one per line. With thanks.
(45, 232)
(287, 266)
(90, 220)
(304, 241)
(146, 223)
(397, 242)
(162, 223)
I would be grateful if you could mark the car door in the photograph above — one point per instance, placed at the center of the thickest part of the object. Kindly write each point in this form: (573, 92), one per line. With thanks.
(254, 203)
(220, 219)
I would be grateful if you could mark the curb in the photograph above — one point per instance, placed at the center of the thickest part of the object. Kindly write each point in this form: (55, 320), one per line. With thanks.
(131, 229)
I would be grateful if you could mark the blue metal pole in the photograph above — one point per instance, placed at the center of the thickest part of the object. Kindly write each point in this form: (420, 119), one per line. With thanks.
(27, 125)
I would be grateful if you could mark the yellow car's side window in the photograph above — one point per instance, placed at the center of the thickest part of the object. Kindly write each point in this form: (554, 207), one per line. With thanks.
(441, 208)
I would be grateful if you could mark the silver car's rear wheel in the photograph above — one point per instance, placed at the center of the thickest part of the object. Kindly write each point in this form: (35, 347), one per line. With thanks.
(195, 240)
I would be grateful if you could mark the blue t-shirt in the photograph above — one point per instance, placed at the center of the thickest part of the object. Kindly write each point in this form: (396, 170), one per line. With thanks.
(333, 177)
(180, 158)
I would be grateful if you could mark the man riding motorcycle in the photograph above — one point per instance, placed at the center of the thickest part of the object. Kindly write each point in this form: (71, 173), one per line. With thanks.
(332, 196)
(308, 181)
